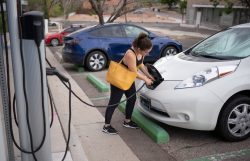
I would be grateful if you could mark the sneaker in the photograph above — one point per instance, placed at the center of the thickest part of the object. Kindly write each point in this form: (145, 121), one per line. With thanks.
(109, 130)
(130, 124)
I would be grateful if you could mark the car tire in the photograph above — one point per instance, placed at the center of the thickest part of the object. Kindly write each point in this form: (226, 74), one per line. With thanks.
(234, 120)
(96, 61)
(54, 42)
(169, 50)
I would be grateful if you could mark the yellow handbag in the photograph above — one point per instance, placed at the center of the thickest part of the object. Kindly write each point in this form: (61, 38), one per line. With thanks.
(120, 76)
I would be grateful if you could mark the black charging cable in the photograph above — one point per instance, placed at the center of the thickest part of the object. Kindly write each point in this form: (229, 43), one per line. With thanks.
(50, 72)
(52, 105)
(53, 71)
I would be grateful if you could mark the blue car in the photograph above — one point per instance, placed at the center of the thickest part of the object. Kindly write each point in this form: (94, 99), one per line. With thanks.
(93, 47)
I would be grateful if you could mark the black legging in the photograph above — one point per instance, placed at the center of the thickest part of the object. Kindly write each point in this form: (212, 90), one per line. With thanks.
(115, 97)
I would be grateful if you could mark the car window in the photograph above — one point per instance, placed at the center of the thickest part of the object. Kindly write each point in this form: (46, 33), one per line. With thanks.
(108, 31)
(229, 43)
(133, 31)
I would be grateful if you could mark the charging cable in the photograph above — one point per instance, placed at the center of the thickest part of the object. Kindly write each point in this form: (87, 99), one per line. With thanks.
(53, 71)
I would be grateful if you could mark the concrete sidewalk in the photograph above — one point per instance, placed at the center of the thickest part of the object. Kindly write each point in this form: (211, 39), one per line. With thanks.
(88, 142)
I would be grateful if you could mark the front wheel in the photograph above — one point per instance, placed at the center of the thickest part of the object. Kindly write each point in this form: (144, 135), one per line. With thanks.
(234, 121)
(96, 61)
(170, 50)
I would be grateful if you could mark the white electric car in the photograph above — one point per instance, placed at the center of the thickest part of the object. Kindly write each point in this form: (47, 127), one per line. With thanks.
(206, 87)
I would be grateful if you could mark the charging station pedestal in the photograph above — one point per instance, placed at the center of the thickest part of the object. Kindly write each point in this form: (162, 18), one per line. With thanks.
(32, 24)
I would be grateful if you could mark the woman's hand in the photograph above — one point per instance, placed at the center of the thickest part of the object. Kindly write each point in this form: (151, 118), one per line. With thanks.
(151, 77)
(148, 81)
(144, 69)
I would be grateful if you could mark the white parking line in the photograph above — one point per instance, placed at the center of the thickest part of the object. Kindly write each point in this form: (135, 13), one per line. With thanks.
(99, 98)
(59, 55)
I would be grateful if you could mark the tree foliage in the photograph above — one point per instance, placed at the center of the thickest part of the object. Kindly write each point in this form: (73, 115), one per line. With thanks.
(70, 6)
(54, 7)
(246, 3)
(170, 3)
(183, 6)
(230, 3)
(46, 6)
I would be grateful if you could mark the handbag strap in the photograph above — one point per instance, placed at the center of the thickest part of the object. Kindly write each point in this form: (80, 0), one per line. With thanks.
(133, 52)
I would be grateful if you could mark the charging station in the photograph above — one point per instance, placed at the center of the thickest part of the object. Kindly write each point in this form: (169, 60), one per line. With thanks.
(33, 50)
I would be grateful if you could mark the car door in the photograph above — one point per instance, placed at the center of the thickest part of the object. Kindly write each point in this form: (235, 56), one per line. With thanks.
(132, 32)
(112, 40)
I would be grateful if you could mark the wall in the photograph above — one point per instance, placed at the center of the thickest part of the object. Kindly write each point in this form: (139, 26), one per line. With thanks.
(212, 17)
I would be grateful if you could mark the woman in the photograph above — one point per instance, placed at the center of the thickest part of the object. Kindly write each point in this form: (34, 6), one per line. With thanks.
(132, 59)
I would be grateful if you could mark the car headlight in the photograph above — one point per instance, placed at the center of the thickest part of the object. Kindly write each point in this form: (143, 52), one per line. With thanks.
(206, 76)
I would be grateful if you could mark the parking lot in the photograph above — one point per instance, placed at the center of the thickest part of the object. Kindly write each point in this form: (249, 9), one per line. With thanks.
(183, 145)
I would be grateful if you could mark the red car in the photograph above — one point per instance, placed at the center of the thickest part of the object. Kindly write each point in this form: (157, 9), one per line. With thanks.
(55, 39)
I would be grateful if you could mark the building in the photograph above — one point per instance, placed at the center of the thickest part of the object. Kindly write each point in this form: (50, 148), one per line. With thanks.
(204, 13)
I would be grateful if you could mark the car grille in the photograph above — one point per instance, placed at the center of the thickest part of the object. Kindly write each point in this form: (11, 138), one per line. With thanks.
(146, 103)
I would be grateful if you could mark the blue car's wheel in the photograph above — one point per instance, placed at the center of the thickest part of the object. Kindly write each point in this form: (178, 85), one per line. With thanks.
(96, 61)
(170, 50)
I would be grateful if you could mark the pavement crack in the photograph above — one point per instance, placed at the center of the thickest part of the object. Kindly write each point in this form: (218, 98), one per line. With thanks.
(173, 158)
(193, 146)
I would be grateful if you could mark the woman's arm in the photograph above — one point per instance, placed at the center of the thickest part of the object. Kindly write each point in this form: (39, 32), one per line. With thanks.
(130, 61)
(144, 69)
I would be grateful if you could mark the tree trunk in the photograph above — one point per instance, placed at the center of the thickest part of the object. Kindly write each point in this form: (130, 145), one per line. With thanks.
(45, 9)
(101, 19)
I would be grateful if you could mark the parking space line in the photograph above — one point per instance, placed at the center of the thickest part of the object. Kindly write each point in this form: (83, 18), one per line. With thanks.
(59, 55)
(154, 131)
(223, 156)
(99, 98)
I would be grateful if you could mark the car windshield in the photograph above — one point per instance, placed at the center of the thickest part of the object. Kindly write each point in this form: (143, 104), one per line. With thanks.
(83, 29)
(229, 44)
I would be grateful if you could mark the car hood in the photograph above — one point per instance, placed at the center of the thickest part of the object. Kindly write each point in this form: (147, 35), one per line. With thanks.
(181, 66)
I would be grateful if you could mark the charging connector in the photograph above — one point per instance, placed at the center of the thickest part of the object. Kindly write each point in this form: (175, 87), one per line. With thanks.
(53, 71)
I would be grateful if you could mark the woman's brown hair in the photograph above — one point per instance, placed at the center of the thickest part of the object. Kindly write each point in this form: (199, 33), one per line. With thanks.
(142, 42)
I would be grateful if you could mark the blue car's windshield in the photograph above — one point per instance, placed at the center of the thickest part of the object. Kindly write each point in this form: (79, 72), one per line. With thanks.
(233, 43)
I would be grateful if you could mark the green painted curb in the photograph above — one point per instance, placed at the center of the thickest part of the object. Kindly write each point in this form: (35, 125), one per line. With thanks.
(102, 87)
(154, 131)
(79, 68)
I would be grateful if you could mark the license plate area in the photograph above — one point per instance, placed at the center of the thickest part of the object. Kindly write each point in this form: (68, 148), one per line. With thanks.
(146, 102)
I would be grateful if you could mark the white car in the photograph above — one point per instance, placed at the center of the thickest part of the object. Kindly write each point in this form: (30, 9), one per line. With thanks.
(206, 87)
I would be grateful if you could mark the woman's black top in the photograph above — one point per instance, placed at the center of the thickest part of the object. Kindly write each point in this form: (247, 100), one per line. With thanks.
(138, 62)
